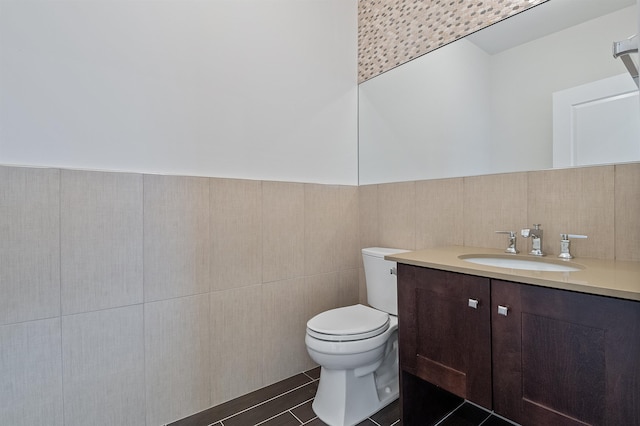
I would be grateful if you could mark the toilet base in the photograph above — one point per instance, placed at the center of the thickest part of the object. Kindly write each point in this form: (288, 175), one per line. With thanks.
(344, 399)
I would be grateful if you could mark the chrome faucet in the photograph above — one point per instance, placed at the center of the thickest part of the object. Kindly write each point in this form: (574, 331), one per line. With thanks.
(536, 239)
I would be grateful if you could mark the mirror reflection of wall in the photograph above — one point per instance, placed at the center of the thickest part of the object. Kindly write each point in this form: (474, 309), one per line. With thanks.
(471, 108)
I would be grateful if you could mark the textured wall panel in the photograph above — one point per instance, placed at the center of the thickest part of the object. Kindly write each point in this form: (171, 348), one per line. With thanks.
(392, 32)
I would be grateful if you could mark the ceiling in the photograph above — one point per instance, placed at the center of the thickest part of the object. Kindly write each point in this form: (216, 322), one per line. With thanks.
(543, 19)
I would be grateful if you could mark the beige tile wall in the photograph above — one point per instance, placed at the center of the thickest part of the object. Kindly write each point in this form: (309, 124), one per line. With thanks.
(29, 244)
(627, 211)
(176, 333)
(283, 311)
(493, 203)
(176, 236)
(236, 352)
(103, 363)
(236, 233)
(397, 215)
(174, 294)
(31, 380)
(283, 232)
(100, 240)
(113, 340)
(602, 202)
(439, 223)
(581, 202)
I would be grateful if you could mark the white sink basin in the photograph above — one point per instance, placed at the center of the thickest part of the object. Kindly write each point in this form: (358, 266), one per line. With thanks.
(513, 262)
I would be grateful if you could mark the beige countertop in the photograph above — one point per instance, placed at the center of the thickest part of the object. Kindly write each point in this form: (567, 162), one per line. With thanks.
(602, 277)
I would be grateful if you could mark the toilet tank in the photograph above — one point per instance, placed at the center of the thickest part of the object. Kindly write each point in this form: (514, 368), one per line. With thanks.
(382, 285)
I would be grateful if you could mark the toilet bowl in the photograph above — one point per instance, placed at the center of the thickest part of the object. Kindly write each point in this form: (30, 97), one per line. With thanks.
(357, 348)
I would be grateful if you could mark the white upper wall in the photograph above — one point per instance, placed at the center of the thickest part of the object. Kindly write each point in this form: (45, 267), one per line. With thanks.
(255, 89)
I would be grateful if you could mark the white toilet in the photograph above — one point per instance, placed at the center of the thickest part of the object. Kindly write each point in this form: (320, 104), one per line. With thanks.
(357, 348)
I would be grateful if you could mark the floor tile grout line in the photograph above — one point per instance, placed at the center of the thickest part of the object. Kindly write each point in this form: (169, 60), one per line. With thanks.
(302, 403)
(296, 417)
(220, 422)
(263, 402)
(299, 405)
(494, 414)
(309, 421)
(312, 378)
(450, 413)
(286, 411)
(273, 417)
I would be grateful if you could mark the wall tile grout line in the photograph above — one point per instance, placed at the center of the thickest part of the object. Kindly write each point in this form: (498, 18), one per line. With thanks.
(209, 291)
(60, 289)
(144, 329)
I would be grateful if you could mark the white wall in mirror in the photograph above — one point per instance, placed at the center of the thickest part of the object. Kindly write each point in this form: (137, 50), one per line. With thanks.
(597, 123)
(481, 113)
(405, 126)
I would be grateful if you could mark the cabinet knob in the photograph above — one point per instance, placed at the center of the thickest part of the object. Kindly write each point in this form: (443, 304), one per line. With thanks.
(473, 303)
(503, 310)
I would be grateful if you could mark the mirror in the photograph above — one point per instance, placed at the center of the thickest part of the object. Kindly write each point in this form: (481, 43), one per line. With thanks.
(484, 104)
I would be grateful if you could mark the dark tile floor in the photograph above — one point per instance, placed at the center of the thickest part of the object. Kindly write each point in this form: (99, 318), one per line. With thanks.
(288, 403)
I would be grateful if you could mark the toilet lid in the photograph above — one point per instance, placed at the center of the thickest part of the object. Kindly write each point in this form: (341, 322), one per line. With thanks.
(349, 323)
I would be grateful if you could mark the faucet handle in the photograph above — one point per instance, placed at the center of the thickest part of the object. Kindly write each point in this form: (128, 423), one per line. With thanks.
(512, 241)
(511, 233)
(567, 236)
(565, 245)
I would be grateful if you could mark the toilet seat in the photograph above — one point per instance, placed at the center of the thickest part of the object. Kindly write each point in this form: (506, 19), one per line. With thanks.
(348, 324)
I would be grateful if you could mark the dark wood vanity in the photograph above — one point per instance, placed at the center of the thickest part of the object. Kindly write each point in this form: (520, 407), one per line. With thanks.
(535, 355)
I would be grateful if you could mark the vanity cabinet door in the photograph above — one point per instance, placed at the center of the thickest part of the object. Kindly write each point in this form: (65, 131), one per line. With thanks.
(445, 331)
(565, 358)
